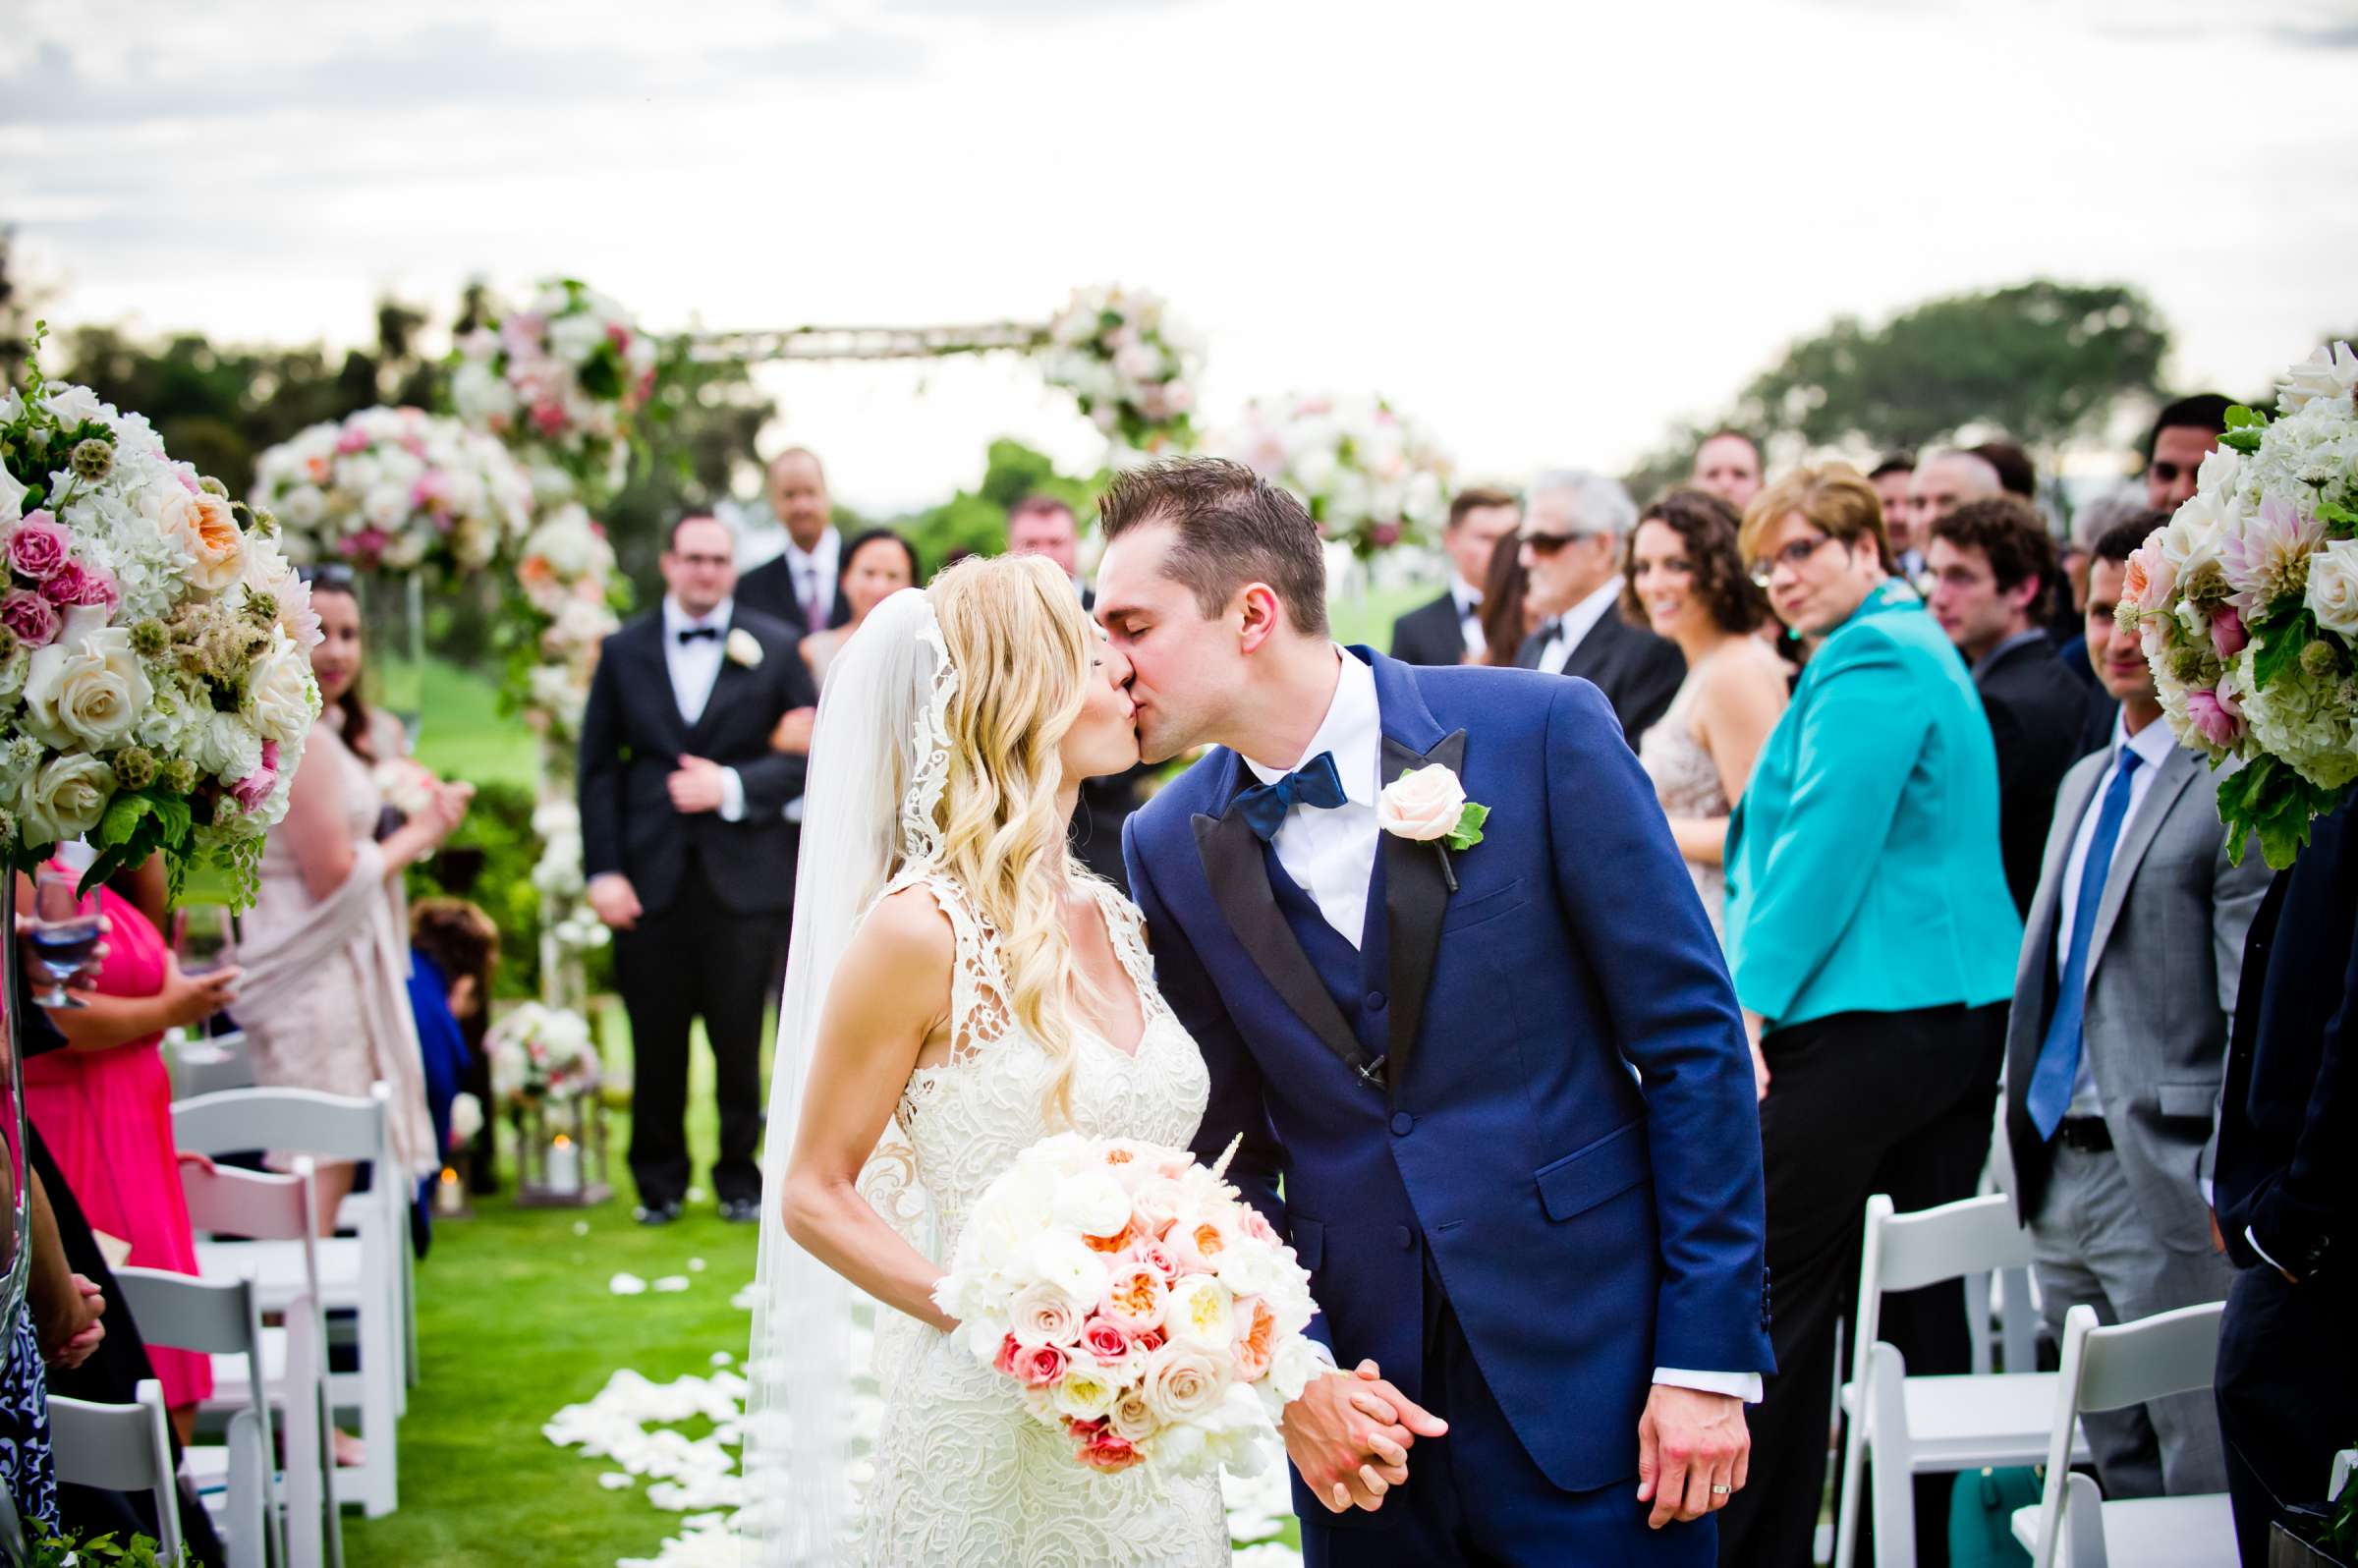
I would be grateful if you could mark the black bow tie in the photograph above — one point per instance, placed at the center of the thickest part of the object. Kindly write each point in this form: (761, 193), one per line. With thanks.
(1552, 630)
(689, 633)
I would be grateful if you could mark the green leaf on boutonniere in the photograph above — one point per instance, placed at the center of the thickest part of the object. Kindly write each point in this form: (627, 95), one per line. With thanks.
(1468, 831)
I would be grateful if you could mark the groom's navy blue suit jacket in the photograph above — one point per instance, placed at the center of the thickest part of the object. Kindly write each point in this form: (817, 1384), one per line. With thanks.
(1569, 1123)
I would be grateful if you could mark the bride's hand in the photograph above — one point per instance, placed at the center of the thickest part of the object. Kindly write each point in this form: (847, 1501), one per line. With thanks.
(1349, 1435)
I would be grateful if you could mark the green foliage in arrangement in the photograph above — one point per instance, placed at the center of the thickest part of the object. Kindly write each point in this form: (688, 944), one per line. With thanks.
(96, 1552)
(975, 521)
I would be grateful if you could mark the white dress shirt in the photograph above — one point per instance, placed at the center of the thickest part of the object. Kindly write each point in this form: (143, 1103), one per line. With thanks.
(1468, 600)
(2153, 745)
(813, 575)
(694, 668)
(1574, 625)
(1331, 856)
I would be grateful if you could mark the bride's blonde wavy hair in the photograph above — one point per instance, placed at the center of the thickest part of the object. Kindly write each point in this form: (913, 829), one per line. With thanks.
(1015, 630)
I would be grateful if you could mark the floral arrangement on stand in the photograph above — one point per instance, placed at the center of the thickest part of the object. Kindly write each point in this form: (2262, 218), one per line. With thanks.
(1143, 1308)
(561, 380)
(541, 1056)
(1370, 477)
(155, 677)
(2247, 604)
(1131, 367)
(396, 490)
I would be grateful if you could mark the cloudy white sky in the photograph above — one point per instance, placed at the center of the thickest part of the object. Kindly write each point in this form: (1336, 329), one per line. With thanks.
(1543, 229)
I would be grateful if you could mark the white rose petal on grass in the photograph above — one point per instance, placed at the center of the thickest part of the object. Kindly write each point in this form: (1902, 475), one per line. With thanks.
(672, 1283)
(616, 1480)
(696, 1266)
(627, 1285)
(1423, 804)
(580, 1227)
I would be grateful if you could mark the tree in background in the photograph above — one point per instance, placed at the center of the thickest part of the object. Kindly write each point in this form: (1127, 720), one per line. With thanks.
(974, 520)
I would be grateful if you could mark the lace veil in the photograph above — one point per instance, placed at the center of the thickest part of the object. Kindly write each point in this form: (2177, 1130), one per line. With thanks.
(882, 749)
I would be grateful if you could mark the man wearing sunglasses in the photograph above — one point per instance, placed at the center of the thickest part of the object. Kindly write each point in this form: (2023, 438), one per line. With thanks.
(1574, 525)
(2184, 433)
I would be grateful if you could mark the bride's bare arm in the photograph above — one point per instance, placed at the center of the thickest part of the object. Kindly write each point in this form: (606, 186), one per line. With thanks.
(890, 996)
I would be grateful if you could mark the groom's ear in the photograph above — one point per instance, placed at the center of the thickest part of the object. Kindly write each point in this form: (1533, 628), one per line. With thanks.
(1259, 615)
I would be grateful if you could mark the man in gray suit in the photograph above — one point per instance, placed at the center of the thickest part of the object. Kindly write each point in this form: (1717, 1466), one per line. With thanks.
(2118, 1043)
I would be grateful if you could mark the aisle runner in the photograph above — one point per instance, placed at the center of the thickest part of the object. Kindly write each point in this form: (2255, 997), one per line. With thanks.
(636, 1424)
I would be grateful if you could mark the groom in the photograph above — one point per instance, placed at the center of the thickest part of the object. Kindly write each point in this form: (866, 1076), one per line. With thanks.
(1507, 1092)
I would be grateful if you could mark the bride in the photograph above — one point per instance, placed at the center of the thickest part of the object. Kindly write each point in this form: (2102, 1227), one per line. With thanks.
(958, 988)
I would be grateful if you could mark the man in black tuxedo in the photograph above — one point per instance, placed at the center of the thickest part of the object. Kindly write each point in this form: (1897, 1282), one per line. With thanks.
(802, 587)
(1045, 525)
(689, 855)
(1992, 565)
(2284, 1188)
(1575, 525)
(1448, 630)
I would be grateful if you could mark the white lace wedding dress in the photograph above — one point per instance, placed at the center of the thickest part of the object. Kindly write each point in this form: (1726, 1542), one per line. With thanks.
(961, 1473)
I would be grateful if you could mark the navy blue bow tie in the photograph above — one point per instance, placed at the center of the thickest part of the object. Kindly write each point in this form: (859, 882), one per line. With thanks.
(690, 633)
(1316, 783)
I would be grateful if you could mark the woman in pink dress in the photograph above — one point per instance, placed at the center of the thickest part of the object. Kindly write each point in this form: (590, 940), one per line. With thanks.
(104, 1106)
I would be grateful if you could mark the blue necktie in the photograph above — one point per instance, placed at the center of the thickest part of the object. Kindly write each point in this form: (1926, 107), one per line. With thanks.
(1315, 782)
(2059, 1066)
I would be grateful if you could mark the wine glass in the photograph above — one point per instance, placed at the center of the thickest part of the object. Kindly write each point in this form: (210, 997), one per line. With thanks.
(201, 937)
(65, 929)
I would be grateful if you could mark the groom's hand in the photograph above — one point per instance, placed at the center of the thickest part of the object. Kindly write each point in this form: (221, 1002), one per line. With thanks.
(1693, 1450)
(1349, 1435)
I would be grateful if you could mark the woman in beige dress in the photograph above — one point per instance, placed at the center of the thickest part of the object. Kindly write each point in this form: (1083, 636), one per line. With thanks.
(1683, 578)
(324, 999)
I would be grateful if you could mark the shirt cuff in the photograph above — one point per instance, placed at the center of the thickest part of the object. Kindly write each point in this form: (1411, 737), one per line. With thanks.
(732, 796)
(2263, 1252)
(1739, 1385)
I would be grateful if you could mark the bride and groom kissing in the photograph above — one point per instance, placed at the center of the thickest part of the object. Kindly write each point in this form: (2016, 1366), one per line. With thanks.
(1498, 1097)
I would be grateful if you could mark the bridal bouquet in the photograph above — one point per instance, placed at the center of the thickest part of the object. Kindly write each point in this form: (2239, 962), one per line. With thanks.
(541, 1054)
(155, 674)
(396, 488)
(2247, 604)
(562, 378)
(1127, 362)
(1138, 1303)
(1367, 476)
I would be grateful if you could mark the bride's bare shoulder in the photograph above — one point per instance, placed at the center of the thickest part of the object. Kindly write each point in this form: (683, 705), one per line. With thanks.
(909, 927)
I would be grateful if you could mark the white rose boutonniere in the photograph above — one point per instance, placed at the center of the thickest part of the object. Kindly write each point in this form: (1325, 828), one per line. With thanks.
(742, 648)
(1429, 805)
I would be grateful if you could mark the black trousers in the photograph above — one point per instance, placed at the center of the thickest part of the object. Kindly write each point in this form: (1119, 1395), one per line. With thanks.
(696, 959)
(1858, 1103)
(2287, 1389)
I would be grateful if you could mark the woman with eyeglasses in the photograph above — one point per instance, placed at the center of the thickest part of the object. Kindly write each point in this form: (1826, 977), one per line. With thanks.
(325, 950)
(1873, 943)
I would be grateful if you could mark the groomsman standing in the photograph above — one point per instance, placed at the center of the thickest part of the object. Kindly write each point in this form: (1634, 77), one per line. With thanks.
(1448, 630)
(800, 587)
(2117, 1042)
(689, 855)
(1573, 532)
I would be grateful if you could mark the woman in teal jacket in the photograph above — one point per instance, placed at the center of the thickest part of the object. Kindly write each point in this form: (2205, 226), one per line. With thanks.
(1871, 933)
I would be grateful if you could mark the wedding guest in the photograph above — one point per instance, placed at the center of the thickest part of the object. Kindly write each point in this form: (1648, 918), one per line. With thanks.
(454, 954)
(1943, 483)
(802, 584)
(2185, 431)
(1993, 564)
(1891, 478)
(688, 853)
(1508, 615)
(1449, 630)
(1573, 528)
(2284, 1195)
(325, 949)
(2068, 627)
(1688, 585)
(104, 1104)
(2017, 473)
(1728, 466)
(1045, 525)
(1872, 938)
(2117, 1042)
(876, 565)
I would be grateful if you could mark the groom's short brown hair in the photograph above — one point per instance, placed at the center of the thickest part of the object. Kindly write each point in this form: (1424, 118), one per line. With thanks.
(1234, 528)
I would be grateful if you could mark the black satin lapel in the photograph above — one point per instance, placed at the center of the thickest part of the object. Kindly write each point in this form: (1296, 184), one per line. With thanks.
(1416, 895)
(1240, 884)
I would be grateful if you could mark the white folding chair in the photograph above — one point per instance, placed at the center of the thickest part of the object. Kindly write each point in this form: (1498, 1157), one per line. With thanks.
(291, 1368)
(2108, 1369)
(1913, 1426)
(219, 1317)
(208, 1064)
(119, 1448)
(360, 1273)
